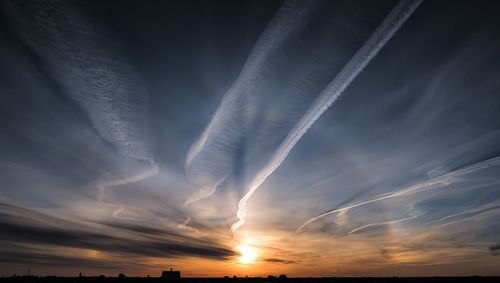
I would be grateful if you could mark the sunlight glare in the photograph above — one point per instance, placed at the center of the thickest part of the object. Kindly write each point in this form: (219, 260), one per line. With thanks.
(248, 254)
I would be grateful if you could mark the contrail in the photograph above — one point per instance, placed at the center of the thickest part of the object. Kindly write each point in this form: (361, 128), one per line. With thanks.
(434, 183)
(488, 206)
(411, 213)
(283, 25)
(238, 104)
(88, 66)
(184, 226)
(382, 223)
(472, 217)
(358, 62)
(202, 193)
(133, 179)
(153, 170)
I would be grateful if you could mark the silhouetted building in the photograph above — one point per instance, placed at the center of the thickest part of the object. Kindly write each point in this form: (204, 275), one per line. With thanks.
(172, 274)
(121, 275)
(282, 276)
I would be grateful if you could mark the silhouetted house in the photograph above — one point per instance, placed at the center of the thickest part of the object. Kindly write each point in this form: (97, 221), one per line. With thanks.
(282, 276)
(121, 275)
(172, 274)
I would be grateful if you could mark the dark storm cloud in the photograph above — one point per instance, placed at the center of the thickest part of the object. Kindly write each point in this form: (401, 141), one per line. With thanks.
(46, 259)
(26, 226)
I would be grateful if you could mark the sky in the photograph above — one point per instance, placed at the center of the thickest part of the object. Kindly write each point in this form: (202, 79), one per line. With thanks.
(312, 138)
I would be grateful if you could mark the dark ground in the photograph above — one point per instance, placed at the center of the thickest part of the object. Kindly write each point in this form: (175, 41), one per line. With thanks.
(34, 279)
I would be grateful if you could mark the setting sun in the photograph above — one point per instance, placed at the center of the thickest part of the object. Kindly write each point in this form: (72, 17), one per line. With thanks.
(248, 254)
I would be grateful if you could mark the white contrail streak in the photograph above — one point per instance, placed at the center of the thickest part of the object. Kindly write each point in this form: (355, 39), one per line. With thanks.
(153, 170)
(412, 215)
(487, 206)
(288, 21)
(382, 223)
(184, 226)
(283, 25)
(473, 217)
(200, 194)
(358, 62)
(86, 62)
(434, 183)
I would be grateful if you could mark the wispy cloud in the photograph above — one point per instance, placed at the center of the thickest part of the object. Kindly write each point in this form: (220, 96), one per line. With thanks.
(434, 183)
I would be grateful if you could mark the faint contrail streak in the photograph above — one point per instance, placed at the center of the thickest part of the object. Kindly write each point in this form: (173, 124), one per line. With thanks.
(412, 215)
(472, 217)
(358, 62)
(86, 62)
(434, 183)
(153, 170)
(382, 223)
(202, 193)
(184, 226)
(488, 206)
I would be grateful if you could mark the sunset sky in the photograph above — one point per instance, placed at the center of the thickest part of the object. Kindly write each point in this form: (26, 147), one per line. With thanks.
(312, 138)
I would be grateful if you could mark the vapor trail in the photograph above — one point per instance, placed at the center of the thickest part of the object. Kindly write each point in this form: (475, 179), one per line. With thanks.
(88, 66)
(202, 193)
(153, 170)
(358, 62)
(382, 223)
(488, 206)
(283, 25)
(238, 103)
(434, 183)
(184, 226)
(472, 217)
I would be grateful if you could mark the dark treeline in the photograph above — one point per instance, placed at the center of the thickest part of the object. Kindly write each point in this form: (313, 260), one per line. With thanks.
(47, 279)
